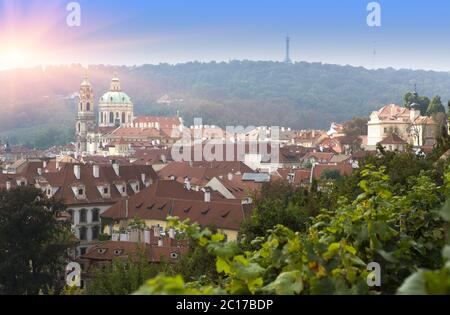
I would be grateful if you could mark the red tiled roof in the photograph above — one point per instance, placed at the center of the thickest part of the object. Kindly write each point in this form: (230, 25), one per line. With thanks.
(65, 180)
(343, 168)
(110, 250)
(169, 198)
(393, 139)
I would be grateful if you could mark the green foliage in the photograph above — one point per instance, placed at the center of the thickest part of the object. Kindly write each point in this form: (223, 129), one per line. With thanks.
(357, 126)
(400, 231)
(281, 203)
(422, 101)
(137, 224)
(435, 106)
(431, 282)
(223, 93)
(33, 242)
(73, 290)
(331, 175)
(122, 276)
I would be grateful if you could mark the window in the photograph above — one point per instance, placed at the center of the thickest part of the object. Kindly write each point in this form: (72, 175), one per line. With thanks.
(82, 250)
(123, 118)
(83, 234)
(123, 189)
(95, 215)
(83, 216)
(111, 118)
(385, 130)
(105, 190)
(173, 255)
(95, 233)
(88, 106)
(80, 191)
(72, 219)
(101, 251)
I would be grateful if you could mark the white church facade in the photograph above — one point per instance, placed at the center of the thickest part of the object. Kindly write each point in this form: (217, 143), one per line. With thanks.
(116, 124)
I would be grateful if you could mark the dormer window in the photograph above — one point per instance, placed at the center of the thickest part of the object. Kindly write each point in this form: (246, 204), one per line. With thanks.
(105, 190)
(101, 251)
(80, 191)
(118, 252)
(174, 255)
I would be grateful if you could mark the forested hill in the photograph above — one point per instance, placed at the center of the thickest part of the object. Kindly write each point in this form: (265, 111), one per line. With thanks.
(300, 95)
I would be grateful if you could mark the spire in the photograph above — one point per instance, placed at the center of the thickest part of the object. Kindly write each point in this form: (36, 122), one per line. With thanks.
(288, 58)
(115, 83)
(86, 79)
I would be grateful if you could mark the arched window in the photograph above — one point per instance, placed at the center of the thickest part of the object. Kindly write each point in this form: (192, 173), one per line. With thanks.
(123, 117)
(88, 106)
(101, 118)
(81, 106)
(111, 118)
(79, 127)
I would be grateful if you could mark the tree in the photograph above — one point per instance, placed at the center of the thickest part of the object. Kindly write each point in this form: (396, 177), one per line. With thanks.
(122, 276)
(435, 106)
(357, 126)
(281, 203)
(399, 231)
(422, 101)
(331, 175)
(33, 241)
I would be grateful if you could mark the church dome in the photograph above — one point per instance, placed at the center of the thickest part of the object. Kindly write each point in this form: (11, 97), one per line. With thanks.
(115, 97)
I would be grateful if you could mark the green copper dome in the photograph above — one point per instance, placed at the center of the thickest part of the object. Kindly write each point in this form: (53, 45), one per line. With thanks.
(115, 97)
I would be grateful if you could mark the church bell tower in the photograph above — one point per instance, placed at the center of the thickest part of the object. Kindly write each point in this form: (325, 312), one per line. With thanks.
(85, 122)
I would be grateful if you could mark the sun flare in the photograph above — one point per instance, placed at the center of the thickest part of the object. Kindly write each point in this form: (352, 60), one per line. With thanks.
(14, 58)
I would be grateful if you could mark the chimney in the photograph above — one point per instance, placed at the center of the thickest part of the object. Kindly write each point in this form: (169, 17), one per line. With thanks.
(143, 178)
(77, 171)
(126, 208)
(44, 164)
(171, 233)
(57, 165)
(187, 183)
(116, 168)
(414, 113)
(96, 171)
(8, 185)
(147, 236)
(39, 171)
(156, 231)
(160, 243)
(230, 176)
(207, 195)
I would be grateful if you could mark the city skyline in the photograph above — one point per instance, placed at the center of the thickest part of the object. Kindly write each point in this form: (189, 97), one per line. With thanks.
(36, 33)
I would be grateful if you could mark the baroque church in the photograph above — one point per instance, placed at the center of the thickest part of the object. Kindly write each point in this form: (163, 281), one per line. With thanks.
(116, 122)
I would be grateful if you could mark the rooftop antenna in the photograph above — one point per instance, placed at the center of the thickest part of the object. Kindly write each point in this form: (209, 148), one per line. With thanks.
(288, 58)
(374, 54)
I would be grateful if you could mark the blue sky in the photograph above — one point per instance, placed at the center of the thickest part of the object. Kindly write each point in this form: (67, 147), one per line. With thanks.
(413, 33)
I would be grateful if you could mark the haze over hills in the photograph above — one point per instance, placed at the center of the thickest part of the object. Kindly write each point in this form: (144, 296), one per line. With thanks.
(34, 103)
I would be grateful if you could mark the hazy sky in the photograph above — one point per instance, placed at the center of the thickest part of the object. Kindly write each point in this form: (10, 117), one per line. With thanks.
(413, 33)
